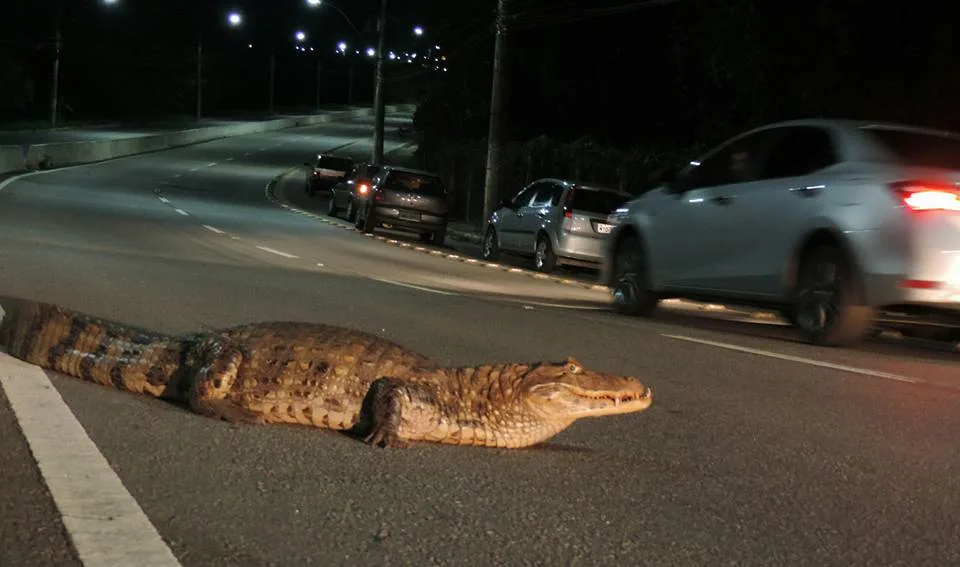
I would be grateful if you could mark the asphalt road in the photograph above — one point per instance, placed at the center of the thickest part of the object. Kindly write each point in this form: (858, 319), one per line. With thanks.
(758, 449)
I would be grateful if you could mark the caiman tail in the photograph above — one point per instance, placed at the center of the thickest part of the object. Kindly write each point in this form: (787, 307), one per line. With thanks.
(91, 349)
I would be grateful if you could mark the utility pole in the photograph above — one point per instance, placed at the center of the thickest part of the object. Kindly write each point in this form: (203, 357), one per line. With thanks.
(491, 185)
(319, 68)
(273, 64)
(378, 98)
(199, 74)
(56, 71)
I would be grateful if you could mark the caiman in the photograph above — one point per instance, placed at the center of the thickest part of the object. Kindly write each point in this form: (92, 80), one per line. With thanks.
(323, 376)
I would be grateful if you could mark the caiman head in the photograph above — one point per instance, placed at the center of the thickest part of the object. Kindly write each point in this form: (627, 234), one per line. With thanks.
(567, 391)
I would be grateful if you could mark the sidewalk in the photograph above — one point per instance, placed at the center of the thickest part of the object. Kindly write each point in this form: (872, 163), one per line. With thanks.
(466, 232)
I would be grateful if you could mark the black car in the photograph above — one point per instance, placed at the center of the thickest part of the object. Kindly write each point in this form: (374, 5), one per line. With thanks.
(357, 182)
(326, 172)
(405, 199)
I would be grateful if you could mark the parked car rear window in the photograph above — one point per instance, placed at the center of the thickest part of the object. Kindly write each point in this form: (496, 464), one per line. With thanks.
(914, 148)
(600, 202)
(334, 163)
(414, 183)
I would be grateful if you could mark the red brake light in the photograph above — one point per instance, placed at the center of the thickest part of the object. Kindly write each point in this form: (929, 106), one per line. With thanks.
(928, 196)
(363, 188)
(568, 204)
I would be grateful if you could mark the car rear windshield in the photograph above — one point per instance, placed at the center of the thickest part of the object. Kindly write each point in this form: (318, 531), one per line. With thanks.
(423, 184)
(334, 163)
(914, 148)
(593, 201)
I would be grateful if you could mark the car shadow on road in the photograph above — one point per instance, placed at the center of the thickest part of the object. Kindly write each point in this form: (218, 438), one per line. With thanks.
(776, 330)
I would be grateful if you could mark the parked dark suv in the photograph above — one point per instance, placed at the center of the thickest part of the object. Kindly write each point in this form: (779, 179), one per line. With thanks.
(405, 199)
(326, 171)
(357, 182)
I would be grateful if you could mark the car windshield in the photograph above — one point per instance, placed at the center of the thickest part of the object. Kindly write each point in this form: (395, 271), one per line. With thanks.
(922, 149)
(334, 163)
(593, 201)
(423, 184)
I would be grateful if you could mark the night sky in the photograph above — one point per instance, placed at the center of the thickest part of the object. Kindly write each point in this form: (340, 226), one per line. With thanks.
(626, 72)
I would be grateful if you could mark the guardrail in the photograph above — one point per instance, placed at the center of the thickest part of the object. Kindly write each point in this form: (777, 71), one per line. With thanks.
(28, 157)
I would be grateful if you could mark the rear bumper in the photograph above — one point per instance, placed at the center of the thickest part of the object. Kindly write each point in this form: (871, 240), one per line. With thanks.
(582, 249)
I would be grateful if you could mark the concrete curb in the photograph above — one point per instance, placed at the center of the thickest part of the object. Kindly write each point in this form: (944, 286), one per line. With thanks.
(17, 158)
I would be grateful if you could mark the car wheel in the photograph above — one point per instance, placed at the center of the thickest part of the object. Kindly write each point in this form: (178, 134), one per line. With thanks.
(332, 207)
(351, 211)
(631, 287)
(543, 258)
(827, 307)
(358, 220)
(491, 245)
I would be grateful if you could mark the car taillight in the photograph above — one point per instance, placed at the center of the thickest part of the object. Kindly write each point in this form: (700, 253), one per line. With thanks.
(568, 204)
(928, 196)
(363, 188)
(378, 197)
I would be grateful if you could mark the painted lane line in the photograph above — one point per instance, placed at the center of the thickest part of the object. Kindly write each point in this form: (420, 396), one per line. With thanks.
(195, 168)
(176, 175)
(277, 252)
(106, 524)
(10, 180)
(164, 200)
(800, 359)
(182, 212)
(212, 229)
(417, 287)
(211, 164)
(230, 159)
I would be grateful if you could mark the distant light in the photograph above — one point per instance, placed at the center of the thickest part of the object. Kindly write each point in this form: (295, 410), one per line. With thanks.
(234, 19)
(392, 55)
(314, 3)
(311, 49)
(300, 36)
(436, 47)
(110, 2)
(250, 45)
(371, 52)
(417, 30)
(695, 163)
(444, 69)
(342, 46)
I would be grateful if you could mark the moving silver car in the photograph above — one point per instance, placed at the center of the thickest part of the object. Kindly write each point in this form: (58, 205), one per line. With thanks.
(554, 220)
(835, 223)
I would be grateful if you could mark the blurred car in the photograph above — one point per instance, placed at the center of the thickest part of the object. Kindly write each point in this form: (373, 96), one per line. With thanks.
(405, 199)
(839, 225)
(554, 221)
(357, 182)
(326, 171)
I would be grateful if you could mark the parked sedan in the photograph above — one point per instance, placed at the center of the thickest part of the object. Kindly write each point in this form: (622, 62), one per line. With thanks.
(555, 221)
(835, 223)
(326, 171)
(405, 199)
(356, 184)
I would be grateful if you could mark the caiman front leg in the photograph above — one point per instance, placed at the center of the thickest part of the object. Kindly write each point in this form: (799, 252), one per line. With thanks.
(213, 384)
(397, 412)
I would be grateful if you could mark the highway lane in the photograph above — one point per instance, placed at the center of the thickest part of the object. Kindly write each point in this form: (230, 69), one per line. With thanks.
(743, 457)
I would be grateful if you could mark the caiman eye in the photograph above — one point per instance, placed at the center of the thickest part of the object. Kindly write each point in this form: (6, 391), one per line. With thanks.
(573, 368)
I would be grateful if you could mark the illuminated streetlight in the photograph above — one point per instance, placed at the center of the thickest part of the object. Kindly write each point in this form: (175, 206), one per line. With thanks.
(234, 19)
(300, 36)
(342, 46)
(314, 3)
(417, 30)
(371, 52)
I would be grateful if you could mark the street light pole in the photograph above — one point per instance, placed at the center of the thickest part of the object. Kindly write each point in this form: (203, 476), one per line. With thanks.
(56, 71)
(491, 186)
(378, 98)
(199, 74)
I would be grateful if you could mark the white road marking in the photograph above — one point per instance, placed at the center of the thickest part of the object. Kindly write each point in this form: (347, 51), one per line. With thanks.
(277, 252)
(211, 164)
(412, 286)
(182, 212)
(195, 168)
(176, 175)
(164, 199)
(212, 228)
(6, 182)
(106, 525)
(230, 159)
(800, 359)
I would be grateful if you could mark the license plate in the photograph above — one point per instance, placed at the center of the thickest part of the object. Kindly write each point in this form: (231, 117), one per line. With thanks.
(604, 228)
(406, 215)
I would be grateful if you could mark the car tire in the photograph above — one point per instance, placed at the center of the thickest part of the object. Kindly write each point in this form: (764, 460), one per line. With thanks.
(827, 308)
(332, 206)
(544, 259)
(491, 245)
(631, 280)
